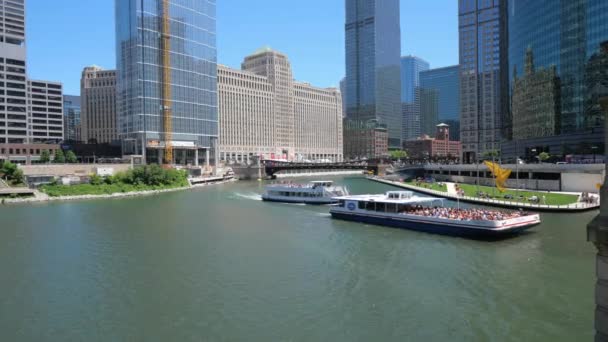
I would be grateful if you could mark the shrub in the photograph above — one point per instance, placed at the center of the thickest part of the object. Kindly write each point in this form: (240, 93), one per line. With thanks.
(96, 180)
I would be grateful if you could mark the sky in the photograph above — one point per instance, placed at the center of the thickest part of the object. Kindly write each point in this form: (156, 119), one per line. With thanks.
(64, 36)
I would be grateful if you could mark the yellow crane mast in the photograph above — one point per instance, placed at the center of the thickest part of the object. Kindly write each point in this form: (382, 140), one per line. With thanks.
(166, 83)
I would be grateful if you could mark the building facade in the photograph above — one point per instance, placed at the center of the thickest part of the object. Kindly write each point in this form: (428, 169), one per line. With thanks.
(31, 111)
(411, 67)
(568, 40)
(482, 40)
(167, 99)
(98, 93)
(429, 111)
(535, 102)
(446, 81)
(71, 118)
(373, 81)
(254, 103)
(412, 127)
(441, 146)
(46, 112)
(364, 140)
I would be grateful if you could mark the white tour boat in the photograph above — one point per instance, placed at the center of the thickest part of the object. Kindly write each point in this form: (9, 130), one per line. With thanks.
(318, 192)
(402, 209)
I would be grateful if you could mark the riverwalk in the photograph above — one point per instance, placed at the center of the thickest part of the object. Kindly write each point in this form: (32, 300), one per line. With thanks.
(453, 195)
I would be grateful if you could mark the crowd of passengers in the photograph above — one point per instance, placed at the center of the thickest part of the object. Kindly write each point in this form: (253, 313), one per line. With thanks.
(464, 214)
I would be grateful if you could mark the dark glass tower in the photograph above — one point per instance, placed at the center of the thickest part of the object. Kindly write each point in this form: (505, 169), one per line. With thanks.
(558, 68)
(193, 78)
(482, 29)
(446, 81)
(373, 51)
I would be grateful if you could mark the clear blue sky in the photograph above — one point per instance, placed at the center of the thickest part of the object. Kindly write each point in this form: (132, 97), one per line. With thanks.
(66, 35)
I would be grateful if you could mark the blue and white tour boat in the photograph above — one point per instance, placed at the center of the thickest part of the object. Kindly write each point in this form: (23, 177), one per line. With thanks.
(402, 209)
(318, 192)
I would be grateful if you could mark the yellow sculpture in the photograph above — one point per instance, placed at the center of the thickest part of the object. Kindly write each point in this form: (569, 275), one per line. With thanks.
(501, 175)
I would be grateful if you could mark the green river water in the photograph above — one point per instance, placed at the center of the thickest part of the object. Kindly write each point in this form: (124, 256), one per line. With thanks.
(218, 264)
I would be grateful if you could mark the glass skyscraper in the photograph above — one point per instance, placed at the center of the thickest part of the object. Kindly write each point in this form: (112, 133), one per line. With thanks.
(483, 69)
(71, 120)
(193, 77)
(558, 69)
(446, 82)
(411, 66)
(373, 51)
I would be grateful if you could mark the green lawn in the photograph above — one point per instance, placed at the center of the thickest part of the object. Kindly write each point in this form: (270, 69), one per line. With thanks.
(431, 186)
(471, 191)
(551, 198)
(103, 189)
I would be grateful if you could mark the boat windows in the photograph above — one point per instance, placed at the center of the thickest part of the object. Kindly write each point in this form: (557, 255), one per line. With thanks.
(341, 203)
(391, 207)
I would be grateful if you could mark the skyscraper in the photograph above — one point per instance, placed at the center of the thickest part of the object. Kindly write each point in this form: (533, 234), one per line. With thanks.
(411, 67)
(310, 117)
(31, 111)
(71, 120)
(98, 94)
(373, 82)
(446, 81)
(558, 70)
(482, 30)
(167, 101)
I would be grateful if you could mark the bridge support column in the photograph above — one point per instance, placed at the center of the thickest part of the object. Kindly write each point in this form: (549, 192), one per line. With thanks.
(597, 232)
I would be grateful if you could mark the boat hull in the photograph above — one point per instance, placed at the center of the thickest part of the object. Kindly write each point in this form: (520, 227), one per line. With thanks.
(433, 227)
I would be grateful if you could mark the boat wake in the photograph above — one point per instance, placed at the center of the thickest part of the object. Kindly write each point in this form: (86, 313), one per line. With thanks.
(250, 196)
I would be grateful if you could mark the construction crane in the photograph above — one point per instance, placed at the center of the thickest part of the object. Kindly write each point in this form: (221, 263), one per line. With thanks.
(165, 45)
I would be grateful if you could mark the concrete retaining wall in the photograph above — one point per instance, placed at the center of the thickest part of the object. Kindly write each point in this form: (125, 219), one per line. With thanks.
(69, 169)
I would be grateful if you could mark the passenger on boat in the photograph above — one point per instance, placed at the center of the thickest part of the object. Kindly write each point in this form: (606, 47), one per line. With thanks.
(464, 214)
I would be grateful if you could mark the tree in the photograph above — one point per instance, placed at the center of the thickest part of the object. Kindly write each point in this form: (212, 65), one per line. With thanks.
(491, 154)
(399, 154)
(59, 156)
(45, 157)
(544, 156)
(12, 173)
(70, 157)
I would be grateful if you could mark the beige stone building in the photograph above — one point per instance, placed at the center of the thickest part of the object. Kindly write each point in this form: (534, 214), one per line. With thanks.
(264, 112)
(98, 105)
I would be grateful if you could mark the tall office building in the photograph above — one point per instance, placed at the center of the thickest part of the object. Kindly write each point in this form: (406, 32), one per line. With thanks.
(71, 118)
(429, 111)
(411, 67)
(31, 111)
(482, 30)
(412, 128)
(253, 104)
(167, 99)
(343, 92)
(98, 94)
(558, 70)
(373, 81)
(446, 81)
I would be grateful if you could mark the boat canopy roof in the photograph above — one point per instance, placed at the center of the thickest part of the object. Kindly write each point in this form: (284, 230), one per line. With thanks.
(322, 182)
(396, 197)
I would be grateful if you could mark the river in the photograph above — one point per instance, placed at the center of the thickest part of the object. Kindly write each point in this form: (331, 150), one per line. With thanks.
(218, 264)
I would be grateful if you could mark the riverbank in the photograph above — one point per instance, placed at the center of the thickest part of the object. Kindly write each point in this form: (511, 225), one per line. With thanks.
(490, 202)
(40, 197)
